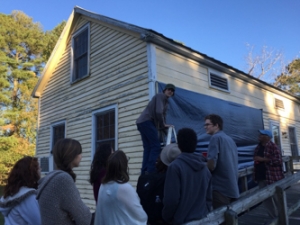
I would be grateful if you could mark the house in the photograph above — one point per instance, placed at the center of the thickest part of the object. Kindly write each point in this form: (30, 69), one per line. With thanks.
(103, 72)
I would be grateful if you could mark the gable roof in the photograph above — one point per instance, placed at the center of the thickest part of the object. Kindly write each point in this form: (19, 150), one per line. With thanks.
(147, 35)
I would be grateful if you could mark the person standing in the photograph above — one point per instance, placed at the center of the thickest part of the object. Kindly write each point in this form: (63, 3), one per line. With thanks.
(222, 161)
(267, 167)
(150, 187)
(18, 204)
(152, 119)
(187, 191)
(118, 203)
(98, 167)
(59, 199)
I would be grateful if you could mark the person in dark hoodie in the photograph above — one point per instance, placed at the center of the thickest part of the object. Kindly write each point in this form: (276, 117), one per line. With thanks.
(188, 189)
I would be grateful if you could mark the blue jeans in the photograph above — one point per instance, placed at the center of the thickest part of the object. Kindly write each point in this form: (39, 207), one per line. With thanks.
(151, 145)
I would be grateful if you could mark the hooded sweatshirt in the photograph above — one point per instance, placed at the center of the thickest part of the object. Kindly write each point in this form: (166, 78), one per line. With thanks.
(60, 201)
(21, 208)
(188, 190)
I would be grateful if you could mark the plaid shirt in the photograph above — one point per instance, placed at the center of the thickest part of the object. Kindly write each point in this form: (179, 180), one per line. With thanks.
(274, 171)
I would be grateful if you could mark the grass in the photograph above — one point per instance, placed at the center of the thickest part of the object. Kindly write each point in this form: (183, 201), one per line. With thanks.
(1, 217)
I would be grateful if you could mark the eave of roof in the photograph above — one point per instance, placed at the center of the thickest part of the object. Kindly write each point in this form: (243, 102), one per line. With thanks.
(153, 37)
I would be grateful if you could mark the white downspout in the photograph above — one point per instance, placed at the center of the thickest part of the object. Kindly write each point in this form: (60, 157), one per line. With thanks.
(151, 56)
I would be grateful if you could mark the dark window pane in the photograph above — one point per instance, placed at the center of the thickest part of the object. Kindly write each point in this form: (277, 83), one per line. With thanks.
(105, 128)
(80, 54)
(58, 133)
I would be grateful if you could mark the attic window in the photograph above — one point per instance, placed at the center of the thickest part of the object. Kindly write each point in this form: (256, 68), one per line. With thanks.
(279, 103)
(218, 82)
(80, 53)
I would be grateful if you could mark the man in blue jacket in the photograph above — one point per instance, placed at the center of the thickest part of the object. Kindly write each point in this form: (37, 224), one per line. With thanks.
(188, 190)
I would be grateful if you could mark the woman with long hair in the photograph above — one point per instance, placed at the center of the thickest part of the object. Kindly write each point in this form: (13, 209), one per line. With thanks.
(18, 204)
(119, 203)
(98, 167)
(58, 197)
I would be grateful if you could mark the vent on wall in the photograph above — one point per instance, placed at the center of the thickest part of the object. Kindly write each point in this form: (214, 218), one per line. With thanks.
(218, 82)
(44, 164)
(279, 103)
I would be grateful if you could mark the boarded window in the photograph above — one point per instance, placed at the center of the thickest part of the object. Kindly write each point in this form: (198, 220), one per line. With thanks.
(105, 128)
(219, 82)
(279, 103)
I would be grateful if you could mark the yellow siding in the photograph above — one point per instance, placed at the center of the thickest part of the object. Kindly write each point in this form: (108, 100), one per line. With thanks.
(119, 75)
(191, 75)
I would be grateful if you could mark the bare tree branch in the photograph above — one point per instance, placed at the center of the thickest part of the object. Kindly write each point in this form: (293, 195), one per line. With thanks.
(265, 65)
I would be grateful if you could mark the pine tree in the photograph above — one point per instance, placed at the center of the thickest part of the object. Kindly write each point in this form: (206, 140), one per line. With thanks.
(24, 50)
(290, 80)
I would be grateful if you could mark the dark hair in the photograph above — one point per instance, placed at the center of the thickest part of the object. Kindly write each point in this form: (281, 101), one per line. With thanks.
(25, 173)
(215, 119)
(99, 161)
(117, 168)
(64, 152)
(187, 140)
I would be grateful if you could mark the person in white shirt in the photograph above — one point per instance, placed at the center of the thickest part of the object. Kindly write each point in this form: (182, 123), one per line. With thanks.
(119, 203)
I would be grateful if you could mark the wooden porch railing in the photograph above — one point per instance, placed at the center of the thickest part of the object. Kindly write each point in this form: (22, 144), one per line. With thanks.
(254, 196)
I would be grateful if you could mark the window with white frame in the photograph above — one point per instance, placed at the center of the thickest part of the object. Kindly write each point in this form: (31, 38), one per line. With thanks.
(275, 128)
(218, 81)
(105, 127)
(80, 53)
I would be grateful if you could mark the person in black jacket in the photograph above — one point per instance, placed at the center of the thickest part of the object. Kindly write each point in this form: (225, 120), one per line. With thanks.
(150, 187)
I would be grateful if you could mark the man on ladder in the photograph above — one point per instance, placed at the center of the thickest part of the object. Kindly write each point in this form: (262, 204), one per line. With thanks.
(150, 121)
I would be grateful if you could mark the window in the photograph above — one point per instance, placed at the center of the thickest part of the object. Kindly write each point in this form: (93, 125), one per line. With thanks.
(105, 127)
(275, 128)
(58, 131)
(279, 104)
(80, 53)
(293, 141)
(219, 82)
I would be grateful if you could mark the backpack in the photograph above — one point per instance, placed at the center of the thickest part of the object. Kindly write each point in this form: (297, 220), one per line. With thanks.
(150, 189)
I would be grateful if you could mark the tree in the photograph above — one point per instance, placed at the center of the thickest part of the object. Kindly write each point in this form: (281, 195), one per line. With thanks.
(51, 39)
(290, 79)
(266, 64)
(24, 49)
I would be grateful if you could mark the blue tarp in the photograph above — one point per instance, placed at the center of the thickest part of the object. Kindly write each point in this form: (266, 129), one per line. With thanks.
(188, 109)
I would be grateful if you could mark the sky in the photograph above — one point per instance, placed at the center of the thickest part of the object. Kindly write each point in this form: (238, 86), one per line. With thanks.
(220, 29)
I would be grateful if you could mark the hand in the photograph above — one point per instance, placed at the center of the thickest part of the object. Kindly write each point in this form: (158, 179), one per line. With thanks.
(260, 159)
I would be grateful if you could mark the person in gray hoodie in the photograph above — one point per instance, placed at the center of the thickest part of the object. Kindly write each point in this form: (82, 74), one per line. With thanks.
(188, 189)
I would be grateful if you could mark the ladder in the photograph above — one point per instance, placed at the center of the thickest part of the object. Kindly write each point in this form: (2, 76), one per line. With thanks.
(171, 130)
